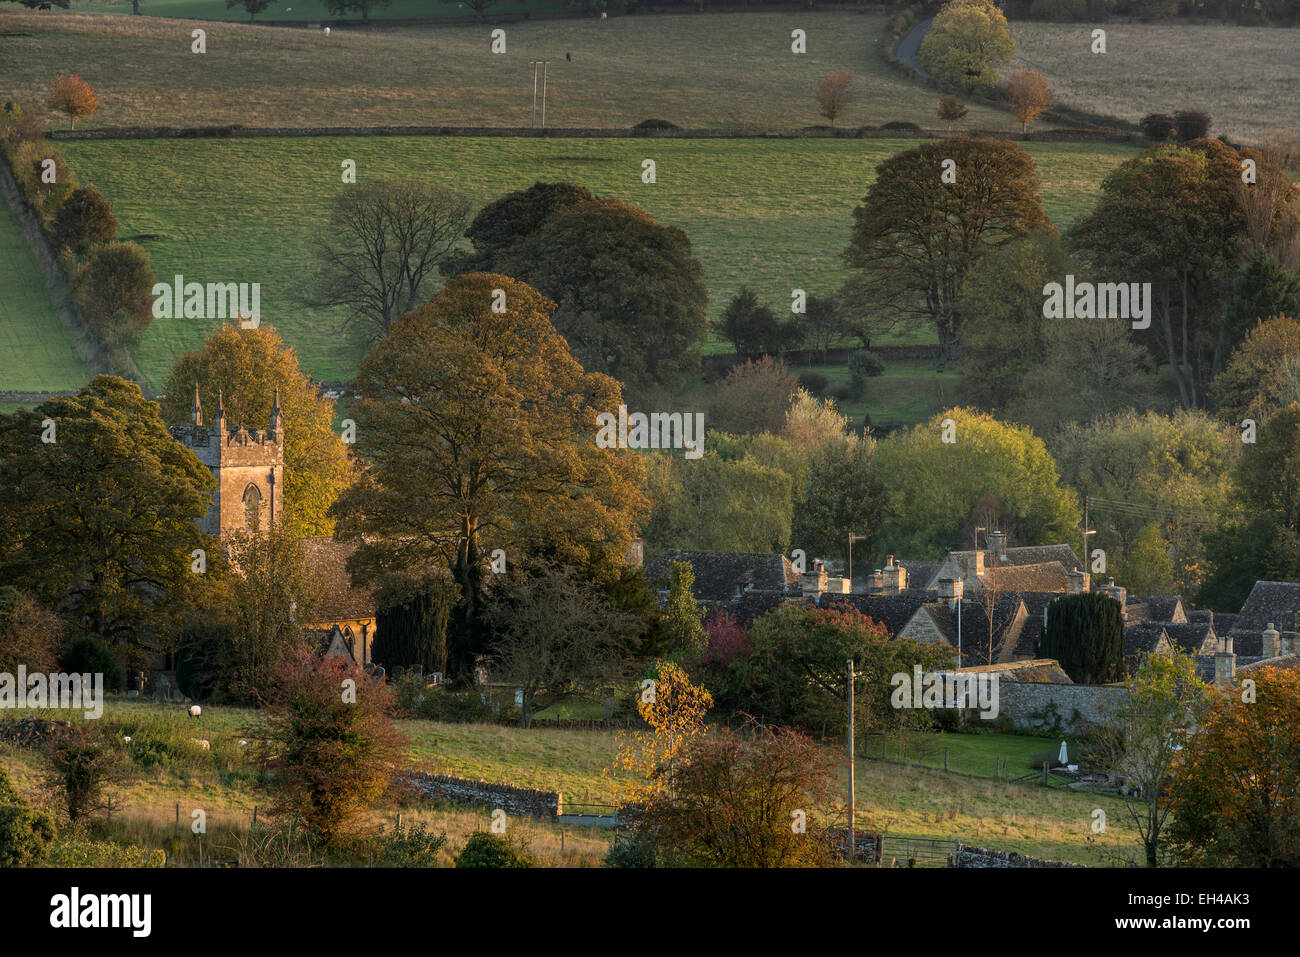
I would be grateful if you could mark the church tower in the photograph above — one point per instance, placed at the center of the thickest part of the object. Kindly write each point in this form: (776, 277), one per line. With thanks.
(248, 467)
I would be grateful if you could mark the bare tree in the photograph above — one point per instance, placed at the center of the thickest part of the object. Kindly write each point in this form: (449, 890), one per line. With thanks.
(834, 93)
(1266, 202)
(557, 639)
(385, 243)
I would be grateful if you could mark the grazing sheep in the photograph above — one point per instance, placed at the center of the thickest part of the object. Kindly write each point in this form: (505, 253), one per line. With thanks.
(195, 711)
(203, 743)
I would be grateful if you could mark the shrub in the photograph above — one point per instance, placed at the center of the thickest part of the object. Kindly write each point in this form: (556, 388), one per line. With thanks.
(115, 291)
(331, 755)
(653, 124)
(29, 633)
(493, 850)
(104, 854)
(87, 654)
(863, 365)
(1059, 10)
(636, 848)
(813, 382)
(409, 846)
(1157, 126)
(1192, 124)
(902, 125)
(25, 834)
(83, 764)
(84, 219)
(28, 159)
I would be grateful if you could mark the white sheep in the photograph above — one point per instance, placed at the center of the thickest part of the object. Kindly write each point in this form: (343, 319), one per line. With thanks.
(203, 743)
(195, 711)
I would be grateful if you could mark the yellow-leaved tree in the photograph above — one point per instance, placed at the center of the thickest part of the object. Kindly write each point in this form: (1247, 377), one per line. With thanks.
(673, 709)
(967, 42)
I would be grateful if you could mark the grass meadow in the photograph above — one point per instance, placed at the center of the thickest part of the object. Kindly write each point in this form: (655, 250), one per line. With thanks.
(770, 214)
(1245, 77)
(714, 70)
(908, 795)
(36, 348)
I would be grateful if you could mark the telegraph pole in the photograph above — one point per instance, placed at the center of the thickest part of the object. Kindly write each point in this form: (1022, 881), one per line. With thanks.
(534, 121)
(545, 64)
(853, 846)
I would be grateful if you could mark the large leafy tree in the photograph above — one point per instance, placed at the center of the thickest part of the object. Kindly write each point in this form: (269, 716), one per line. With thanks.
(966, 44)
(1263, 541)
(478, 431)
(754, 397)
(245, 368)
(796, 674)
(726, 505)
(101, 521)
(842, 493)
(1171, 217)
(915, 237)
(1236, 788)
(1169, 470)
(1263, 375)
(515, 216)
(933, 488)
(1263, 288)
(630, 293)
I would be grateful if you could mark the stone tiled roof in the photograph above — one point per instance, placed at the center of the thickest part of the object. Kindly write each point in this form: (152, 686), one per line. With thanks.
(1205, 668)
(1156, 608)
(1284, 662)
(892, 611)
(1224, 622)
(1038, 554)
(1190, 636)
(1140, 639)
(326, 561)
(975, 627)
(919, 574)
(720, 576)
(1036, 671)
(753, 605)
(1269, 602)
(1036, 603)
(1039, 577)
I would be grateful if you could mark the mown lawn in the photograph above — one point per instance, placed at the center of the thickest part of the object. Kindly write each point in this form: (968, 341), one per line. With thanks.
(713, 70)
(36, 350)
(770, 214)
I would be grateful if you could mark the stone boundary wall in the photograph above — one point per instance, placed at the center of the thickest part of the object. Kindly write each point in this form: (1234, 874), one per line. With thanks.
(969, 856)
(519, 802)
(812, 132)
(1066, 709)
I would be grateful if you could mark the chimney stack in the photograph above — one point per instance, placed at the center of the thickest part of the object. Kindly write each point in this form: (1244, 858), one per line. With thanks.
(895, 577)
(1117, 592)
(1225, 663)
(1077, 583)
(814, 581)
(876, 582)
(998, 545)
(1272, 642)
(1290, 643)
(975, 564)
(950, 589)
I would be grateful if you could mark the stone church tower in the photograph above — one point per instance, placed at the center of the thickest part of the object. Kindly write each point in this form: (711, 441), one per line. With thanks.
(248, 466)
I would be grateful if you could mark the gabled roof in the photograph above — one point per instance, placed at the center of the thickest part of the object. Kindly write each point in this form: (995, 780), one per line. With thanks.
(1038, 577)
(1143, 637)
(1191, 637)
(1036, 671)
(720, 576)
(892, 611)
(1026, 555)
(920, 575)
(975, 627)
(326, 561)
(1269, 602)
(1156, 608)
(1036, 603)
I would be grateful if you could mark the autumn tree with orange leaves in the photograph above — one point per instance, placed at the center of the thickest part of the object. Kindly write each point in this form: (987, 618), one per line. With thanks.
(73, 97)
(1028, 95)
(1236, 788)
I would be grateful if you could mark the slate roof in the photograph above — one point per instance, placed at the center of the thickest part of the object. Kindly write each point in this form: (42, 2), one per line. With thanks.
(919, 574)
(326, 562)
(1037, 671)
(892, 611)
(1036, 603)
(753, 605)
(1205, 668)
(719, 575)
(1224, 622)
(1203, 616)
(1190, 637)
(1142, 638)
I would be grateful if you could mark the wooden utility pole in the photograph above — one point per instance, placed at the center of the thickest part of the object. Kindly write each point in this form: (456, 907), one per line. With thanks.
(853, 846)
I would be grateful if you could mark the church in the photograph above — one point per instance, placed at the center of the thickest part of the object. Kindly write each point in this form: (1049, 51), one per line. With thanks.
(249, 468)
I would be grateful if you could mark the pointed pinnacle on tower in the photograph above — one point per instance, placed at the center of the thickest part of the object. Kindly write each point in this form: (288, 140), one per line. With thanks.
(196, 413)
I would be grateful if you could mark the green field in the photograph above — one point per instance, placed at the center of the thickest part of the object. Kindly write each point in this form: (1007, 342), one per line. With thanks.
(36, 350)
(772, 214)
(907, 799)
(313, 11)
(716, 70)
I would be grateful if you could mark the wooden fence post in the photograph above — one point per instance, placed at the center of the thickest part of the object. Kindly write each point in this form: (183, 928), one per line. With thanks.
(945, 759)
